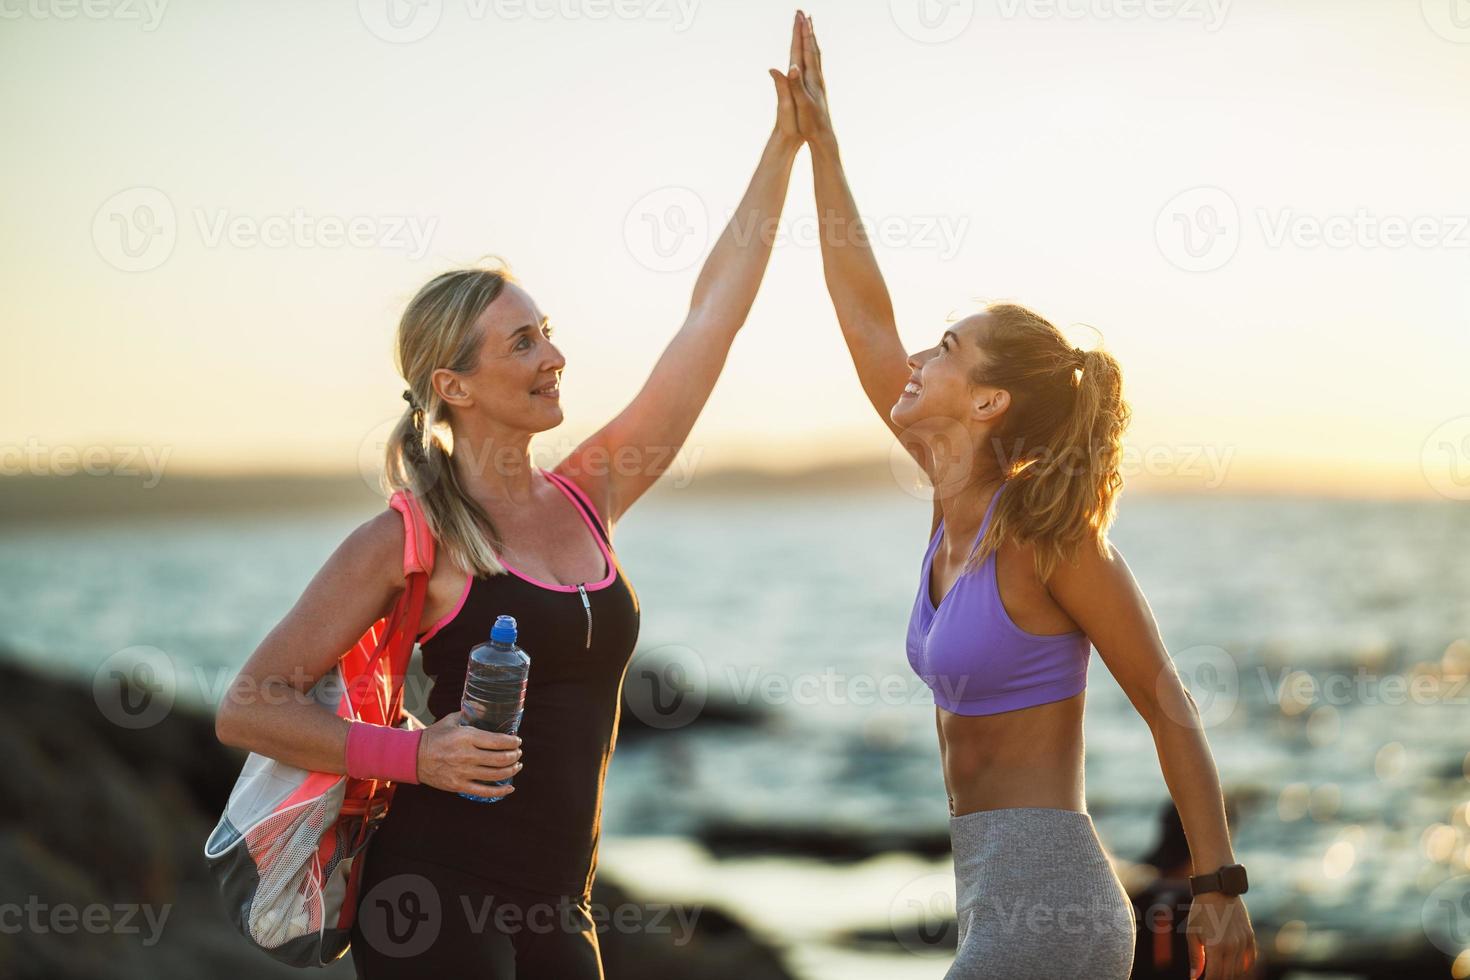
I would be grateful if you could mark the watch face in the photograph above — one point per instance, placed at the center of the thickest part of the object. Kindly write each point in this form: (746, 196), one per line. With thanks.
(1233, 879)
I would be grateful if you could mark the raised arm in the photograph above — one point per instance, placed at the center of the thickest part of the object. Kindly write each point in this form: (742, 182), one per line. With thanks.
(859, 295)
(618, 463)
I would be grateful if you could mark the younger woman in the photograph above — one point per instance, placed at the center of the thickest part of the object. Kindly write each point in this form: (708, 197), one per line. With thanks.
(1020, 434)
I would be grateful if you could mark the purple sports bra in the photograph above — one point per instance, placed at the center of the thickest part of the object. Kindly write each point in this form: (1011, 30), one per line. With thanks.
(974, 657)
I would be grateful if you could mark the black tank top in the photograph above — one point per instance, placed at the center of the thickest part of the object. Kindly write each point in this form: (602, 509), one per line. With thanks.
(545, 835)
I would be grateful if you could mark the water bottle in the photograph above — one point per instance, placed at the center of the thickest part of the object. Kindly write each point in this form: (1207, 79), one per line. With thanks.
(495, 688)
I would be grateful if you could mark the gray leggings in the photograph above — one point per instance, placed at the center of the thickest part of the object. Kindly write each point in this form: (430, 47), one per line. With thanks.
(1036, 898)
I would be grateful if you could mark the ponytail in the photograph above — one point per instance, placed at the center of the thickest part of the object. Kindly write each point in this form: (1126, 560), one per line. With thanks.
(1059, 444)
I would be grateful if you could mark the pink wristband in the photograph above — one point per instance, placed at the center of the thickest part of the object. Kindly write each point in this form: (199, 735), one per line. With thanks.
(380, 752)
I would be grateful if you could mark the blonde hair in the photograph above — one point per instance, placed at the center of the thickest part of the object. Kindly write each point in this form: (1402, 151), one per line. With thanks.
(437, 330)
(1060, 443)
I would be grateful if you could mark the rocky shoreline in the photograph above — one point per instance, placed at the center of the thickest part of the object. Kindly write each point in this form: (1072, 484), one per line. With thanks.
(101, 852)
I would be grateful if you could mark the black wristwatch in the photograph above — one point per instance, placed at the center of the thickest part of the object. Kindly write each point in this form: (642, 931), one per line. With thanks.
(1228, 880)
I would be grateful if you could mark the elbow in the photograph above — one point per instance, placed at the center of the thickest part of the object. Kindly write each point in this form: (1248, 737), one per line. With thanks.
(224, 724)
(228, 723)
(1174, 707)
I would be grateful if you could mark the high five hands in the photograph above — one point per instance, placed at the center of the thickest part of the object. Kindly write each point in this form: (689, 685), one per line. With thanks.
(801, 91)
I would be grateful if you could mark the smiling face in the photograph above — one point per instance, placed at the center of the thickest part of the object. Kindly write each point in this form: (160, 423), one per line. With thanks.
(516, 381)
(940, 385)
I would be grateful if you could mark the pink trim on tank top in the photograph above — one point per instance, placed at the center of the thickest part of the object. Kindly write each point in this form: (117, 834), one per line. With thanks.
(567, 488)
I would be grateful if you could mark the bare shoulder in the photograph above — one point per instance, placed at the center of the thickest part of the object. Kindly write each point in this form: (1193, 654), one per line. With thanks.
(1092, 566)
(375, 547)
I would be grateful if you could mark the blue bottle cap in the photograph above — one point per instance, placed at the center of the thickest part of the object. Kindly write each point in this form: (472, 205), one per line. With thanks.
(504, 630)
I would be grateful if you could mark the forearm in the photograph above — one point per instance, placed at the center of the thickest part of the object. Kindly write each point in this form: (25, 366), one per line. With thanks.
(278, 721)
(1194, 783)
(859, 294)
(732, 273)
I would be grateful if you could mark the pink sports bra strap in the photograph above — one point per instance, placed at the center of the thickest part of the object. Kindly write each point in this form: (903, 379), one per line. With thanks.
(583, 504)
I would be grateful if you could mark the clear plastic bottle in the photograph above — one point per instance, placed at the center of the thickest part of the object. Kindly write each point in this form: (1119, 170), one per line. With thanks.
(495, 688)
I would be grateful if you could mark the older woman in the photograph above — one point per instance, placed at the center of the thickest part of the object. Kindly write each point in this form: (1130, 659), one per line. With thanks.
(1020, 433)
(456, 885)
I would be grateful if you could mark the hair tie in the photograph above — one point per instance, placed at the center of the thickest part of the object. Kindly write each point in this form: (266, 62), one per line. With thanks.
(415, 408)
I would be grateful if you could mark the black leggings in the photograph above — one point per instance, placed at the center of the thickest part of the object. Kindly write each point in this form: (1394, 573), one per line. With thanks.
(417, 919)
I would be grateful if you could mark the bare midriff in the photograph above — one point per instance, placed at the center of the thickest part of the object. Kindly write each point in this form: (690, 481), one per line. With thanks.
(1028, 757)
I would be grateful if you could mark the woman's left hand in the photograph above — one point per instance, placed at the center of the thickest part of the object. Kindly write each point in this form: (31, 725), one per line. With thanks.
(786, 128)
(1222, 944)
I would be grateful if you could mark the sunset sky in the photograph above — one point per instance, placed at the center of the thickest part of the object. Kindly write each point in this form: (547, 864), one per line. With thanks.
(1261, 206)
